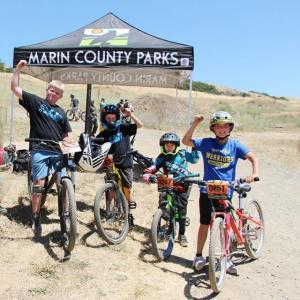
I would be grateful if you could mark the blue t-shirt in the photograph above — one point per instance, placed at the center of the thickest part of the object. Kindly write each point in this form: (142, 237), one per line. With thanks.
(220, 160)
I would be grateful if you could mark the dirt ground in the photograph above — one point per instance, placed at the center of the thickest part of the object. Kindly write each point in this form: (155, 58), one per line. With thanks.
(31, 268)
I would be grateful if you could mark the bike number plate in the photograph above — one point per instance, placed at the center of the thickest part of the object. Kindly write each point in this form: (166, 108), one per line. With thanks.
(164, 182)
(217, 190)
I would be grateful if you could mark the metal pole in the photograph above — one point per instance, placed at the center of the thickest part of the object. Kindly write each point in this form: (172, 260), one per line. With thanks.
(87, 127)
(190, 100)
(11, 115)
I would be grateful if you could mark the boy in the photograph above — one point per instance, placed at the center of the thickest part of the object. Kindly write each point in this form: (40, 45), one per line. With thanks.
(220, 156)
(174, 161)
(119, 136)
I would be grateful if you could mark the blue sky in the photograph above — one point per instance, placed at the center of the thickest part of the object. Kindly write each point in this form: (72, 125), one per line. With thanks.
(247, 45)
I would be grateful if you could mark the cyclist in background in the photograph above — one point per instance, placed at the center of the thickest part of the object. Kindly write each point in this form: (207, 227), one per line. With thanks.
(174, 161)
(47, 121)
(220, 156)
(75, 106)
(119, 135)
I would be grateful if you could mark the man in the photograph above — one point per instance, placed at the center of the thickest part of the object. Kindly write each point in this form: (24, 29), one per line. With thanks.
(75, 106)
(47, 121)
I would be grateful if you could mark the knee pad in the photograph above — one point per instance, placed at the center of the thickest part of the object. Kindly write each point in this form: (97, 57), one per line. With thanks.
(37, 189)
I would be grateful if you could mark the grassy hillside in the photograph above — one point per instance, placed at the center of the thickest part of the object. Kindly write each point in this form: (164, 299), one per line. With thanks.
(159, 107)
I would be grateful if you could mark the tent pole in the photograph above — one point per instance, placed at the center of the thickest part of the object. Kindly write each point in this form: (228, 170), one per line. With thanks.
(190, 100)
(87, 127)
(176, 107)
(12, 104)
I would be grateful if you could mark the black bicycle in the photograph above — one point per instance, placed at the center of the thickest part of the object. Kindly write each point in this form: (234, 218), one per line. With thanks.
(65, 191)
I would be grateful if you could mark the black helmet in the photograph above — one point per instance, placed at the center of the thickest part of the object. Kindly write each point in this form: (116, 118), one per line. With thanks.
(110, 109)
(169, 137)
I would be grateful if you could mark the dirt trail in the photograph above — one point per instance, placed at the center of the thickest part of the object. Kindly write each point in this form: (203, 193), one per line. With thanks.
(31, 268)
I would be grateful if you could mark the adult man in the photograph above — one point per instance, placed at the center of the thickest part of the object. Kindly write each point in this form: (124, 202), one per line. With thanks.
(47, 121)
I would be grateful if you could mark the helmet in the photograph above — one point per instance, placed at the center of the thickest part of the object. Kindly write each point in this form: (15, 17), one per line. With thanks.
(110, 109)
(221, 117)
(92, 156)
(169, 137)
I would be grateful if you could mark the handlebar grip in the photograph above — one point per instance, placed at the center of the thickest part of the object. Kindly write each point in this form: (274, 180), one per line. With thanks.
(256, 178)
(99, 139)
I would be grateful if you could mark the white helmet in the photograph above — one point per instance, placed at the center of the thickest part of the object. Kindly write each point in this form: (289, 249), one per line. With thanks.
(93, 154)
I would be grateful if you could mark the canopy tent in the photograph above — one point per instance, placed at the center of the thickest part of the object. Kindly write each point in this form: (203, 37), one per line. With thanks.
(108, 51)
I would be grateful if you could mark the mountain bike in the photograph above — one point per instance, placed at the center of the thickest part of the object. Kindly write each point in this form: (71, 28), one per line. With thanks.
(111, 206)
(231, 230)
(71, 113)
(65, 191)
(165, 220)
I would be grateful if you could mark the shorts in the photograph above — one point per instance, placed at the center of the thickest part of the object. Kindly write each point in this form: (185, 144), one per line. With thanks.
(40, 162)
(205, 207)
(126, 177)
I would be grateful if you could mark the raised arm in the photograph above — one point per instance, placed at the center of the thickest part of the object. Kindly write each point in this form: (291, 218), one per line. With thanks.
(128, 113)
(187, 139)
(14, 86)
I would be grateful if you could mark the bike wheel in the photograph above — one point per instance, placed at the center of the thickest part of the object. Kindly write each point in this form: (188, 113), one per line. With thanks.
(217, 258)
(82, 116)
(254, 234)
(70, 115)
(67, 214)
(162, 234)
(111, 214)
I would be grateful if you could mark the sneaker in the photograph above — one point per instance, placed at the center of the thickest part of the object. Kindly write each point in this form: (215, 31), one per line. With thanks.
(131, 220)
(199, 262)
(36, 224)
(230, 268)
(183, 241)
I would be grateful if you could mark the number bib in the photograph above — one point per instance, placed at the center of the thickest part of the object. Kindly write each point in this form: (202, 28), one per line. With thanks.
(217, 189)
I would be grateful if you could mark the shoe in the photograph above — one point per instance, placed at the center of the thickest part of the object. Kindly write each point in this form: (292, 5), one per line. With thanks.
(36, 224)
(183, 241)
(199, 262)
(230, 268)
(131, 220)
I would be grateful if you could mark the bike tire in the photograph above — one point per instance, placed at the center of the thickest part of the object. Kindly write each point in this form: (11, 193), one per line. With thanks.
(254, 250)
(111, 216)
(70, 115)
(82, 116)
(217, 265)
(68, 216)
(162, 234)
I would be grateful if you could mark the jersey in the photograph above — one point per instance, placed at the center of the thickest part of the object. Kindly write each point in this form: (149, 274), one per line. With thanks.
(74, 102)
(120, 140)
(46, 121)
(220, 160)
(177, 164)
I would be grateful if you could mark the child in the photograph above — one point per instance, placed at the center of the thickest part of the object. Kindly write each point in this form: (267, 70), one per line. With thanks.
(220, 155)
(174, 161)
(119, 136)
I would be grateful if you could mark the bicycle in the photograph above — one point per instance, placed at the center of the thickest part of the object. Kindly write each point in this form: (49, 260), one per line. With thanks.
(231, 228)
(65, 192)
(71, 113)
(165, 219)
(111, 207)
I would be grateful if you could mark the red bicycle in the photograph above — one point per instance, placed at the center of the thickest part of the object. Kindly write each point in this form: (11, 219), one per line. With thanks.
(231, 230)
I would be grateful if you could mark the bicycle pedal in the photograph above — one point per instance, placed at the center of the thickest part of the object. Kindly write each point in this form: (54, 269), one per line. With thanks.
(187, 221)
(53, 192)
(132, 205)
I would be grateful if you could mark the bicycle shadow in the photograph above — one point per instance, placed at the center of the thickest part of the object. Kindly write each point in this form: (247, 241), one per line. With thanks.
(82, 206)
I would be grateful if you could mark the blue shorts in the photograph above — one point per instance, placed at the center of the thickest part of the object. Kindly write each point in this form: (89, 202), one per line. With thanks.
(40, 162)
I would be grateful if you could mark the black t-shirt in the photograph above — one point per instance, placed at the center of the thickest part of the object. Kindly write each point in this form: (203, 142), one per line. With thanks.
(46, 121)
(120, 139)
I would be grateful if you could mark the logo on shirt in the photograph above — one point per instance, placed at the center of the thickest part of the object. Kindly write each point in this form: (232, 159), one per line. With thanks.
(49, 112)
(218, 160)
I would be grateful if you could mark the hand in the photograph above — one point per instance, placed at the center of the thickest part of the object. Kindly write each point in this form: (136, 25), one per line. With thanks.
(198, 119)
(21, 64)
(126, 112)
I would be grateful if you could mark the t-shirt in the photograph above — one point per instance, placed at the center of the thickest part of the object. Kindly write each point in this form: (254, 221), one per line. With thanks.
(46, 121)
(177, 164)
(120, 140)
(74, 102)
(220, 160)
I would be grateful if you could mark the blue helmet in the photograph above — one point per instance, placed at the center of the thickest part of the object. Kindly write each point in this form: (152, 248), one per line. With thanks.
(110, 109)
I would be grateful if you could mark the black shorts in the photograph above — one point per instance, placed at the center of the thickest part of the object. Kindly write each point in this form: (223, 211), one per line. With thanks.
(126, 177)
(205, 207)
